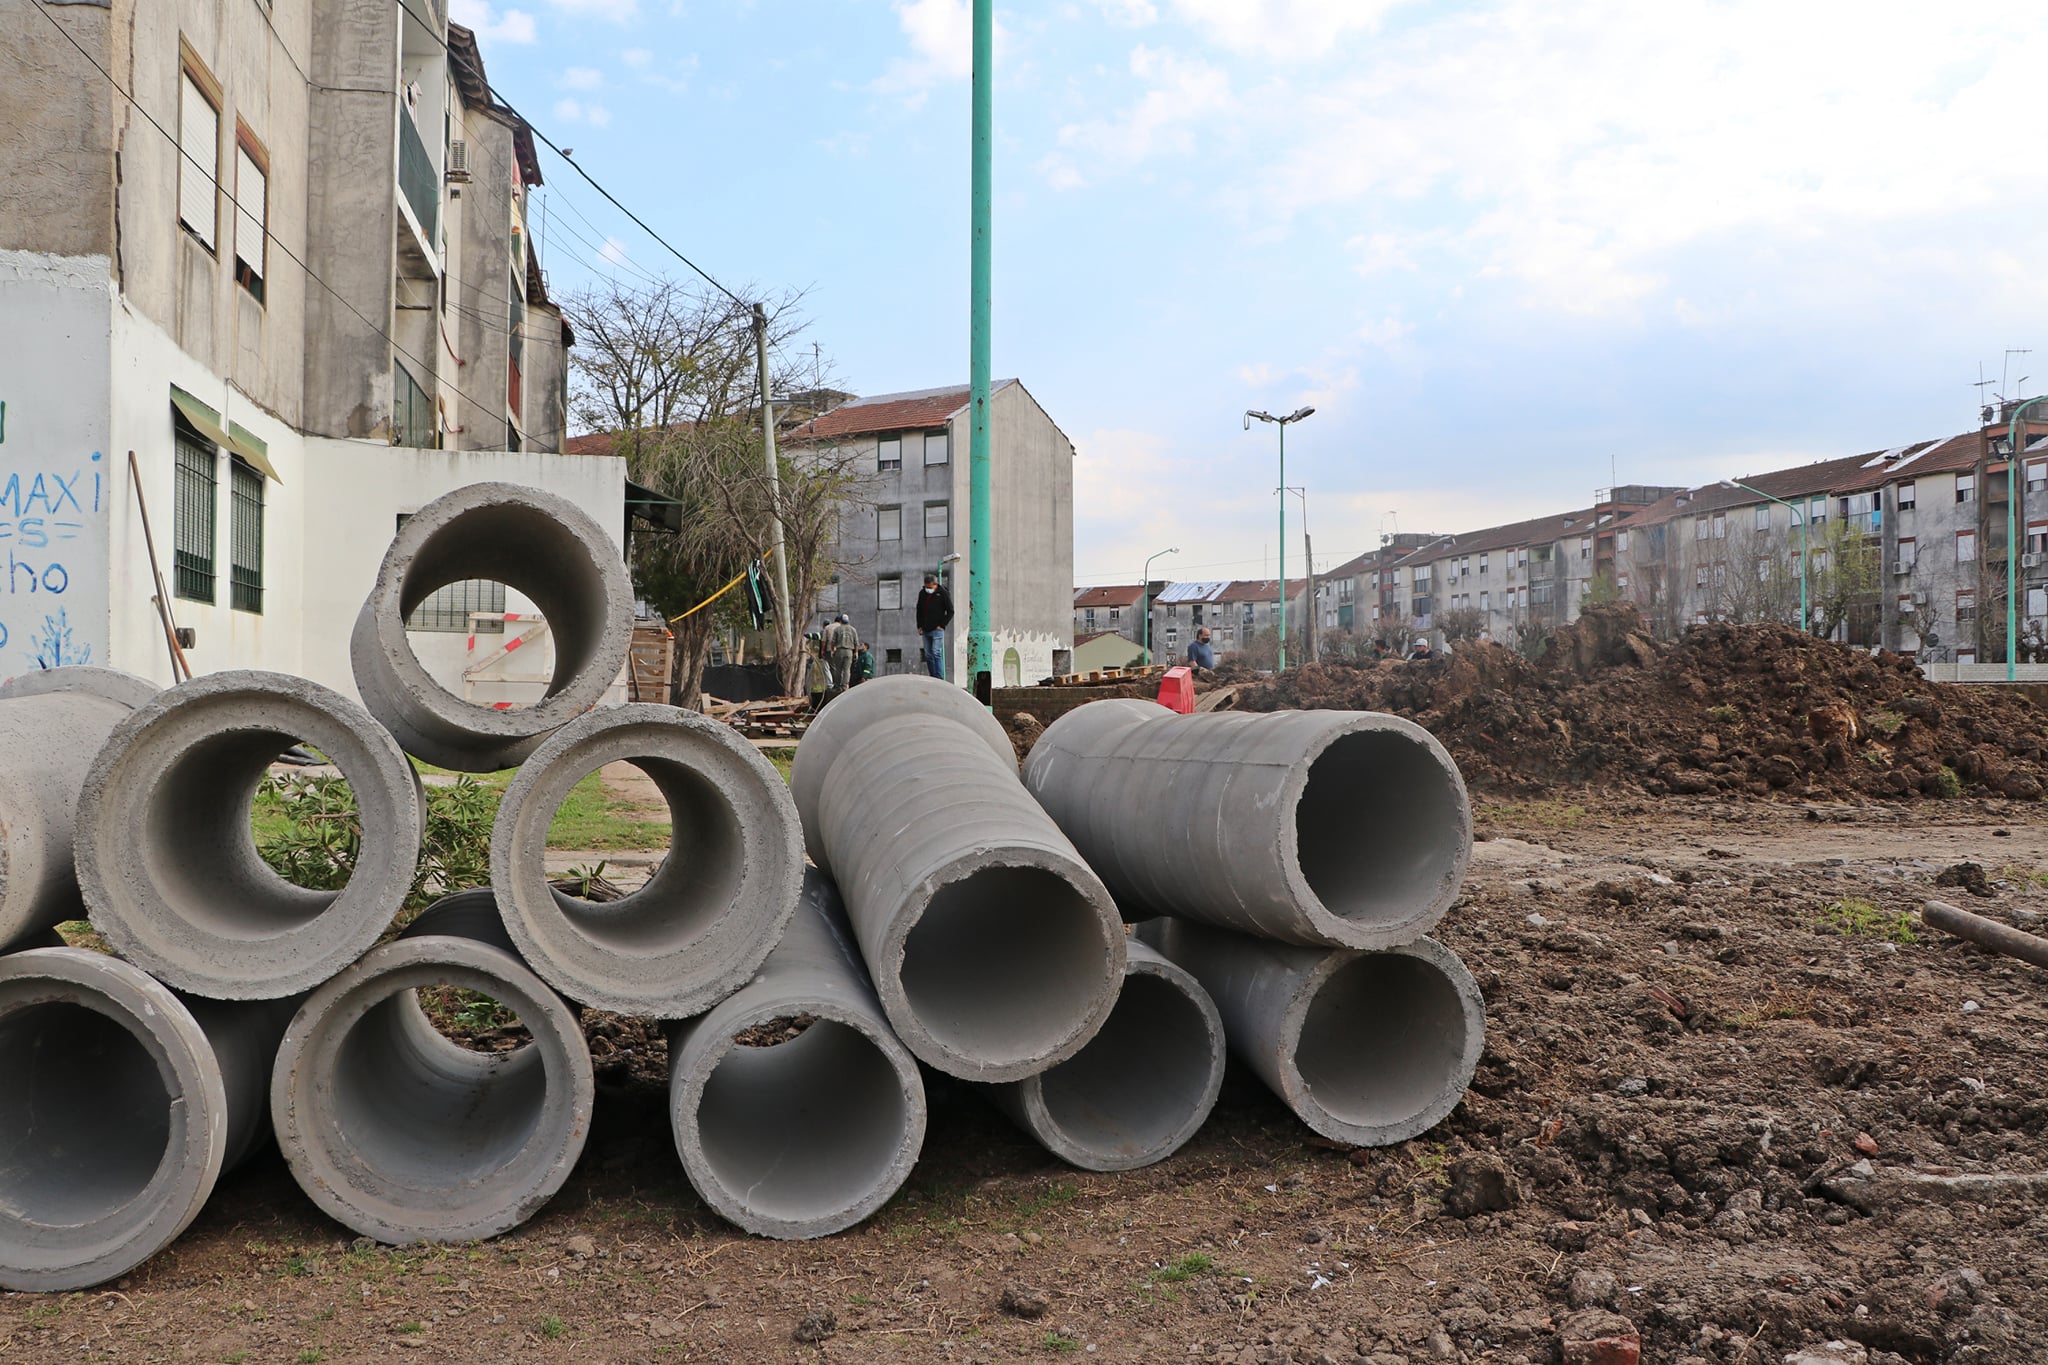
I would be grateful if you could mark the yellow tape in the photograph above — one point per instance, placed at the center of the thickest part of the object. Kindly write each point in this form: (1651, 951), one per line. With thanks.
(736, 581)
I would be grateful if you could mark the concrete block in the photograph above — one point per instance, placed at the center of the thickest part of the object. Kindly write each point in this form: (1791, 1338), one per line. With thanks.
(714, 908)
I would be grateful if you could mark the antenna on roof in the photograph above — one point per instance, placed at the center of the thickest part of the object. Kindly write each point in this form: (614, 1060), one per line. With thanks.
(1983, 408)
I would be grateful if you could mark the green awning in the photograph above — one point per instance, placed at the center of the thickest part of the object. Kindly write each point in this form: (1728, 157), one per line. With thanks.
(231, 436)
(254, 451)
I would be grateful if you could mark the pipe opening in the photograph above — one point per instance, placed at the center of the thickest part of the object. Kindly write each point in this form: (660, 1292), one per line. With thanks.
(1133, 1088)
(471, 1020)
(305, 826)
(1005, 964)
(425, 1113)
(691, 889)
(806, 1128)
(200, 845)
(1378, 827)
(1383, 1039)
(527, 550)
(85, 1122)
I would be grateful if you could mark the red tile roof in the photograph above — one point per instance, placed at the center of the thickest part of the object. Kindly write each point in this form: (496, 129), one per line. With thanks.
(1120, 595)
(890, 412)
(1258, 590)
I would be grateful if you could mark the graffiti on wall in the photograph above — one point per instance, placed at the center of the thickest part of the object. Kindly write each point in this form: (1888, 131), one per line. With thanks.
(53, 537)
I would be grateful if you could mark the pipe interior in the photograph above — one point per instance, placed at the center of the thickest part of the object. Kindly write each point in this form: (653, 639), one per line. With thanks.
(428, 1114)
(527, 550)
(1133, 1088)
(1382, 1039)
(1005, 964)
(804, 1129)
(200, 848)
(1379, 827)
(85, 1115)
(696, 882)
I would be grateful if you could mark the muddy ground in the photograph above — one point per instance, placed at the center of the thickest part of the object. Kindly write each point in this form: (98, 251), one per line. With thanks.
(1703, 1014)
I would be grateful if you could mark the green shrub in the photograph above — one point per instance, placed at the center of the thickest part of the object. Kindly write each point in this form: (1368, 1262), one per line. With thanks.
(1947, 785)
(309, 830)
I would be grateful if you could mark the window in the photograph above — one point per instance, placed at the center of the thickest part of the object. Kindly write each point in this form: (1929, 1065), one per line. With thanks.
(447, 609)
(1720, 575)
(1907, 550)
(1172, 612)
(1699, 577)
(938, 447)
(1817, 510)
(1720, 526)
(1966, 488)
(2037, 475)
(2037, 603)
(1621, 542)
(1966, 604)
(245, 537)
(1586, 542)
(1966, 546)
(1763, 516)
(1484, 603)
(935, 521)
(199, 155)
(192, 515)
(1699, 528)
(889, 453)
(888, 523)
(1088, 619)
(412, 417)
(893, 659)
(1482, 563)
(1909, 494)
(1763, 570)
(1522, 558)
(889, 594)
(252, 212)
(2037, 537)
(1115, 615)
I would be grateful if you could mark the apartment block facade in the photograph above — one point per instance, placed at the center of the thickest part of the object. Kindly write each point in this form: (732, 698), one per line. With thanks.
(277, 256)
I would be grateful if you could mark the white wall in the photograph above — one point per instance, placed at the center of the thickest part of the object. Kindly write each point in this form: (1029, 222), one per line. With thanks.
(55, 460)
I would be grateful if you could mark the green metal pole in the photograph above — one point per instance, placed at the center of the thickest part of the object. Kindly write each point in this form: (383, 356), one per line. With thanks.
(1283, 546)
(1799, 515)
(2012, 558)
(1145, 606)
(980, 640)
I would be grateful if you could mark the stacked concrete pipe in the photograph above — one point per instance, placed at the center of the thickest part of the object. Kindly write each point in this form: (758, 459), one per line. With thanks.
(714, 908)
(533, 541)
(1370, 1048)
(123, 1105)
(810, 1135)
(52, 723)
(403, 1135)
(1342, 828)
(995, 951)
(1141, 1087)
(168, 864)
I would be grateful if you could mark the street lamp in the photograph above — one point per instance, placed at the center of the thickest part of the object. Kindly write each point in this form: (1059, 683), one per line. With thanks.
(2012, 559)
(1308, 595)
(1145, 604)
(1799, 515)
(1282, 423)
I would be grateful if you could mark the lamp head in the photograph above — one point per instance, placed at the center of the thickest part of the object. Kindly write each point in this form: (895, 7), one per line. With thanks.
(1262, 416)
(1298, 414)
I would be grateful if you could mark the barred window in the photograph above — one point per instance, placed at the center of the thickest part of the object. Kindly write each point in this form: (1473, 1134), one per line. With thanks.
(192, 512)
(245, 537)
(448, 609)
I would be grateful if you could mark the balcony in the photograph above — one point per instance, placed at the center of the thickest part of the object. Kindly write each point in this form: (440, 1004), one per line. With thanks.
(419, 183)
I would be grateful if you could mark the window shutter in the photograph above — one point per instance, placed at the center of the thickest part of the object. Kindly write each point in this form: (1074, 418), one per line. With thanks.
(199, 142)
(250, 212)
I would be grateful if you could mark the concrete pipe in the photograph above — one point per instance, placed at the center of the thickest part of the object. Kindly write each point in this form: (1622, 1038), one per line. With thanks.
(1142, 1087)
(169, 866)
(1370, 1048)
(704, 922)
(995, 950)
(1339, 828)
(808, 1136)
(124, 1104)
(533, 541)
(52, 722)
(402, 1134)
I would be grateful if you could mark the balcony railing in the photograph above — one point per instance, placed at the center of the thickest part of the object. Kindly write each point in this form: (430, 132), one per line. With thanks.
(417, 180)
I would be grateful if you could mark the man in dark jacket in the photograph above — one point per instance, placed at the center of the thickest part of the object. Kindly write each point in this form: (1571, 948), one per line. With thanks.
(934, 614)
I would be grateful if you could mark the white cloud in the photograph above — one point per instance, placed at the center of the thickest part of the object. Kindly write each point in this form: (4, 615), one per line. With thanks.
(576, 111)
(568, 110)
(618, 11)
(636, 57)
(1128, 13)
(513, 26)
(1283, 29)
(582, 78)
(1180, 94)
(598, 116)
(613, 252)
(941, 36)
(1386, 334)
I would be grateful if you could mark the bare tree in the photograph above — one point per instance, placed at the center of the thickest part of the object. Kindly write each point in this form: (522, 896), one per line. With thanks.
(1759, 582)
(1461, 623)
(1842, 572)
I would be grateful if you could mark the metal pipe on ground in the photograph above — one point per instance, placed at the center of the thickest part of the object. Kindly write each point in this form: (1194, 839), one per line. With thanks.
(532, 541)
(404, 1134)
(707, 918)
(995, 951)
(1986, 933)
(1142, 1087)
(1336, 828)
(124, 1104)
(167, 861)
(52, 723)
(1369, 1048)
(806, 1136)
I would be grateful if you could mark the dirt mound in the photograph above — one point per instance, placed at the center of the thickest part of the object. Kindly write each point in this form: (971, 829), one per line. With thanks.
(1747, 709)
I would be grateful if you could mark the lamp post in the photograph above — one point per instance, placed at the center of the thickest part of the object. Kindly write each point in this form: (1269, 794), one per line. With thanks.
(1145, 604)
(2012, 559)
(1282, 423)
(1799, 515)
(1308, 591)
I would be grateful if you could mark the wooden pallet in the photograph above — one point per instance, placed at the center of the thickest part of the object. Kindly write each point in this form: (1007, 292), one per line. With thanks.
(650, 662)
(1102, 676)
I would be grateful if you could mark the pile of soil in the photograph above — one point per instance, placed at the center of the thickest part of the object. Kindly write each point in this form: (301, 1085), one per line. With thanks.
(1751, 709)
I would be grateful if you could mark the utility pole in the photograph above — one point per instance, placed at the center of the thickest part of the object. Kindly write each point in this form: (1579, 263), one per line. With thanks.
(784, 608)
(980, 639)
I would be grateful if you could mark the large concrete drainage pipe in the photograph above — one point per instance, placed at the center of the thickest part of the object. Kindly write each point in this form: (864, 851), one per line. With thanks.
(1341, 828)
(404, 1134)
(533, 541)
(995, 950)
(167, 860)
(1371, 1048)
(703, 923)
(123, 1105)
(1142, 1087)
(808, 1135)
(52, 722)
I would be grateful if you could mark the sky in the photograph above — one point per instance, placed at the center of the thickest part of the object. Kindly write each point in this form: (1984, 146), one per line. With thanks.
(1511, 251)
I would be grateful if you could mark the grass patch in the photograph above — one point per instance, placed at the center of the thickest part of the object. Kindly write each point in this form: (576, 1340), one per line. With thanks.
(553, 1328)
(591, 817)
(1886, 723)
(1947, 785)
(1186, 1268)
(782, 759)
(2020, 875)
(1723, 715)
(1059, 1342)
(1854, 917)
(1776, 1006)
(1050, 1198)
(1552, 813)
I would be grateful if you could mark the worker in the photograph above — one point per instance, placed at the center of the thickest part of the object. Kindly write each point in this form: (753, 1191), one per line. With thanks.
(1420, 651)
(842, 644)
(864, 663)
(1200, 652)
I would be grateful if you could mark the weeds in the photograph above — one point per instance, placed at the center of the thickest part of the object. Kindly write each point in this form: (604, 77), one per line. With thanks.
(1186, 1268)
(1947, 785)
(2024, 877)
(1059, 1341)
(1552, 813)
(553, 1328)
(1886, 723)
(310, 832)
(1723, 715)
(1853, 917)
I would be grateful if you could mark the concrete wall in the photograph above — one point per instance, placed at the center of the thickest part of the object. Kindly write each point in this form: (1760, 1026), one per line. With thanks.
(479, 286)
(57, 154)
